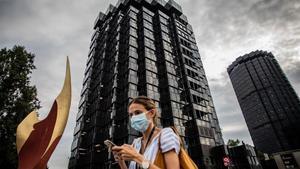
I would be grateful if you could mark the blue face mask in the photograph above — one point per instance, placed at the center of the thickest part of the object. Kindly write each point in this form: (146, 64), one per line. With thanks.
(139, 122)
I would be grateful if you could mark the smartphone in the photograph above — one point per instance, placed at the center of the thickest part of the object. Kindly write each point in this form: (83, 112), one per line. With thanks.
(109, 144)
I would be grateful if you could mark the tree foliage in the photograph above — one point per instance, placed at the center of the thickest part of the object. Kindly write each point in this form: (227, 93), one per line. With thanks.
(17, 98)
(233, 143)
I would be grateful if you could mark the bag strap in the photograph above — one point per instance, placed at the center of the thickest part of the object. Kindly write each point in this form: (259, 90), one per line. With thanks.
(159, 140)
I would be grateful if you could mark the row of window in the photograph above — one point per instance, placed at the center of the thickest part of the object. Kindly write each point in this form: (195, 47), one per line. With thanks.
(185, 43)
(181, 26)
(192, 73)
(195, 86)
(187, 52)
(207, 141)
(198, 100)
(183, 34)
(202, 115)
(189, 62)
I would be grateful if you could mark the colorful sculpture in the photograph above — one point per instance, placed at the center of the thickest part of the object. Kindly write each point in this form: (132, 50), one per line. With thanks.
(36, 140)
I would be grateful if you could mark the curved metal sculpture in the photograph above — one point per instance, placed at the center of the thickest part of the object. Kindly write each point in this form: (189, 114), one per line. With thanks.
(36, 140)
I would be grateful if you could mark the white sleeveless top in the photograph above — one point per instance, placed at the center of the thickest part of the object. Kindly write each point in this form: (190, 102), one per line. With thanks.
(168, 141)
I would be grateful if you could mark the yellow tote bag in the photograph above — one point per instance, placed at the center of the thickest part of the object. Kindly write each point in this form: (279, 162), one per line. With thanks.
(184, 159)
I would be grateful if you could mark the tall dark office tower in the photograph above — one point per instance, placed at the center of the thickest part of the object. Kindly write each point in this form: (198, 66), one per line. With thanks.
(143, 47)
(270, 105)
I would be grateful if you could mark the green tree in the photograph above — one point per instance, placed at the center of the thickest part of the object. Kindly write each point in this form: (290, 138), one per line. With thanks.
(17, 99)
(232, 142)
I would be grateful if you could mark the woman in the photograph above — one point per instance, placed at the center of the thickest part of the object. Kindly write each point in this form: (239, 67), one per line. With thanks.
(143, 151)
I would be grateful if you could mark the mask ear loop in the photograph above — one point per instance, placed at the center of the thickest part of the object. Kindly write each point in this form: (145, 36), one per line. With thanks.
(154, 117)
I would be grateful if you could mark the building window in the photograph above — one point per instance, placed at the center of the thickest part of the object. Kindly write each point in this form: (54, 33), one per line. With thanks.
(147, 17)
(132, 15)
(192, 74)
(133, 41)
(149, 53)
(133, 23)
(163, 20)
(133, 52)
(148, 34)
(165, 37)
(148, 25)
(167, 46)
(169, 57)
(148, 11)
(133, 32)
(164, 28)
(189, 62)
(151, 65)
(133, 9)
(149, 43)
(171, 68)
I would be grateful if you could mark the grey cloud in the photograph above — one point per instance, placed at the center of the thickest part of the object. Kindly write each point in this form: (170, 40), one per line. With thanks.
(293, 72)
(228, 29)
(229, 113)
(275, 10)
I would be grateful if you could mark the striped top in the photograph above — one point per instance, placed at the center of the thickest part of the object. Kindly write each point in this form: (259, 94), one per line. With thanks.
(168, 141)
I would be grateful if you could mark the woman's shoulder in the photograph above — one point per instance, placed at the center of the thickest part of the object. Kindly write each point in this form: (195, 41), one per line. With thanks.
(169, 140)
(167, 130)
(168, 133)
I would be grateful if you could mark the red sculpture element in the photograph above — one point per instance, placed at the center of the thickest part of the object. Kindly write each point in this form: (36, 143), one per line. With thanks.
(36, 140)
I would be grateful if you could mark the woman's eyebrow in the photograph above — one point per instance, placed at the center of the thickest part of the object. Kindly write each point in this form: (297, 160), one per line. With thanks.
(136, 111)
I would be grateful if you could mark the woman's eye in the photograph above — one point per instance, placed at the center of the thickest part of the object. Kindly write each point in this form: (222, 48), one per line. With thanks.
(138, 112)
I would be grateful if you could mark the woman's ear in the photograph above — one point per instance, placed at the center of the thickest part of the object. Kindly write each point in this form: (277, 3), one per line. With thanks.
(152, 113)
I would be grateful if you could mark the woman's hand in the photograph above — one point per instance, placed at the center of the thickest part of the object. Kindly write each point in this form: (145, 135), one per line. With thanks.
(118, 159)
(128, 153)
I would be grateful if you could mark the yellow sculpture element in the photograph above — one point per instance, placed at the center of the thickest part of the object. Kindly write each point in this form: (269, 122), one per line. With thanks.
(63, 106)
(36, 140)
(24, 129)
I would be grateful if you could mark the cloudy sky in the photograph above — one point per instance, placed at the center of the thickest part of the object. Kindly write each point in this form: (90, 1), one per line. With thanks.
(224, 29)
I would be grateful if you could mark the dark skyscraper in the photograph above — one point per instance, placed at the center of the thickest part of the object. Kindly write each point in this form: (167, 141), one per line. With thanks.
(270, 105)
(143, 47)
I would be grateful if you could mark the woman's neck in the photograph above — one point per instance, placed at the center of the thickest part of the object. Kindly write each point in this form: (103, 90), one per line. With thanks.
(148, 131)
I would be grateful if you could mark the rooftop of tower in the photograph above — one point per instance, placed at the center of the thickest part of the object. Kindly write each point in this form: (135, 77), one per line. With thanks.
(169, 5)
(249, 56)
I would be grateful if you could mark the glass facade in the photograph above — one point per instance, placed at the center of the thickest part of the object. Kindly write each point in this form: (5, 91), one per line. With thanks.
(143, 48)
(269, 103)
